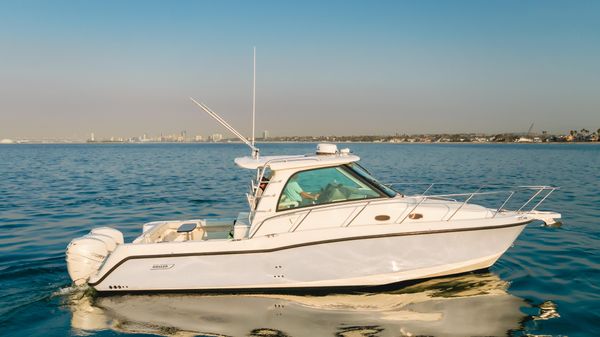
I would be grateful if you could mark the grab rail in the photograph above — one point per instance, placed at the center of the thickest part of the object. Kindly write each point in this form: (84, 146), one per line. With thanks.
(431, 185)
(536, 191)
(316, 208)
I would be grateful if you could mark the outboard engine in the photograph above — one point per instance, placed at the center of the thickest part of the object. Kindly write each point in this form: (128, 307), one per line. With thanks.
(86, 254)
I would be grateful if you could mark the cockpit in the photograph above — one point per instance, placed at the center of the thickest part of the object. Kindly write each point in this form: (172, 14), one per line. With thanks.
(286, 184)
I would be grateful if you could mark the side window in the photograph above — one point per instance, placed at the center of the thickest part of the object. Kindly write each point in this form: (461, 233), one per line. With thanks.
(323, 186)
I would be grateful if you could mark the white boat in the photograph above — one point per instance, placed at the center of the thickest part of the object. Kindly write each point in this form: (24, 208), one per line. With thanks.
(313, 221)
(344, 229)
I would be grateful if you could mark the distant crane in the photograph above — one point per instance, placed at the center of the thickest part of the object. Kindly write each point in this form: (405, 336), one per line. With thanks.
(530, 128)
(527, 137)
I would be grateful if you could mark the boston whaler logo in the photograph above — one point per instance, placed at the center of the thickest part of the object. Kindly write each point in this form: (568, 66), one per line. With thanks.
(162, 266)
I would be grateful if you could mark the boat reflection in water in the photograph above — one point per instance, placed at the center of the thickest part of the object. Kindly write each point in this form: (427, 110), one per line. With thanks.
(473, 304)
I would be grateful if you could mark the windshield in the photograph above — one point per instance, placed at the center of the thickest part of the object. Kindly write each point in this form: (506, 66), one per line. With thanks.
(363, 173)
(324, 186)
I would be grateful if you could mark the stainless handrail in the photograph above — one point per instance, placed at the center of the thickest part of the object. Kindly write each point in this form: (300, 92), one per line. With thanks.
(357, 203)
(260, 172)
(461, 206)
(412, 210)
(357, 214)
(430, 185)
(427, 189)
(504, 203)
(544, 198)
(301, 221)
(538, 189)
(457, 183)
(532, 197)
(353, 203)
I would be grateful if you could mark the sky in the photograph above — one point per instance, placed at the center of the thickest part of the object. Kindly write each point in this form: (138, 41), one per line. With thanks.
(125, 68)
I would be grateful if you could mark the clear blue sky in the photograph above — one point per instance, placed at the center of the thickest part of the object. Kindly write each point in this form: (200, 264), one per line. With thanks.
(124, 68)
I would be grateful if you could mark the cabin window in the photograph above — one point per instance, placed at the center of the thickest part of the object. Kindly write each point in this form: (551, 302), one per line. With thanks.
(323, 186)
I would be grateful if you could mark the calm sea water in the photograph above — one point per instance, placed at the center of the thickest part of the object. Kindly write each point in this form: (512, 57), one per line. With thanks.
(547, 284)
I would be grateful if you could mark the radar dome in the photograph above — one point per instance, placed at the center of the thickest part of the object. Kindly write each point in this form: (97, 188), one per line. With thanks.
(325, 149)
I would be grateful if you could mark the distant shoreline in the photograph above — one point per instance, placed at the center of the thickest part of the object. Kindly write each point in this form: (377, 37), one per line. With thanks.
(292, 142)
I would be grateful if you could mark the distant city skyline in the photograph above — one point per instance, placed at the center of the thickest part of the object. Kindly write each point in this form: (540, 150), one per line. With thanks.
(120, 69)
(531, 136)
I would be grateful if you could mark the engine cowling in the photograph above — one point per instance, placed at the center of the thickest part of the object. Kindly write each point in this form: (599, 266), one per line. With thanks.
(116, 235)
(86, 254)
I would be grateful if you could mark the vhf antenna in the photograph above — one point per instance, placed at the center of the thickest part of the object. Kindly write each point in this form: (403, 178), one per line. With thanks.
(221, 121)
(253, 94)
(227, 126)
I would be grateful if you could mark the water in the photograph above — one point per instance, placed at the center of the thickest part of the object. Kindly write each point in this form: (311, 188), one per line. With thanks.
(547, 284)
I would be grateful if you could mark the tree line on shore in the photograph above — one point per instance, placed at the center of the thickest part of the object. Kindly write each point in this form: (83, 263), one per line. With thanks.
(583, 135)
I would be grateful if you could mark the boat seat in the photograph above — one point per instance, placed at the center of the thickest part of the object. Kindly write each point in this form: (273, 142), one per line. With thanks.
(156, 234)
(187, 228)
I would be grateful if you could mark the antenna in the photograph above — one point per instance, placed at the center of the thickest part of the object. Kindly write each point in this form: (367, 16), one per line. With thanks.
(253, 95)
(228, 127)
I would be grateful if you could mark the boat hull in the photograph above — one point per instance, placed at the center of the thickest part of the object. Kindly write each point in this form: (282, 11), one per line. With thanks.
(344, 262)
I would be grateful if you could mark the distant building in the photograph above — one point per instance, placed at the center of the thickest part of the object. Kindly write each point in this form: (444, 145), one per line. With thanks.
(199, 138)
(265, 134)
(7, 141)
(524, 140)
(216, 137)
(92, 137)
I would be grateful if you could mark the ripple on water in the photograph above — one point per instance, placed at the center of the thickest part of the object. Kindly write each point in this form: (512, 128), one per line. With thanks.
(52, 193)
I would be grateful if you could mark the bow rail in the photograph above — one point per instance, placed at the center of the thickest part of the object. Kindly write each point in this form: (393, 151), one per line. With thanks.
(537, 193)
